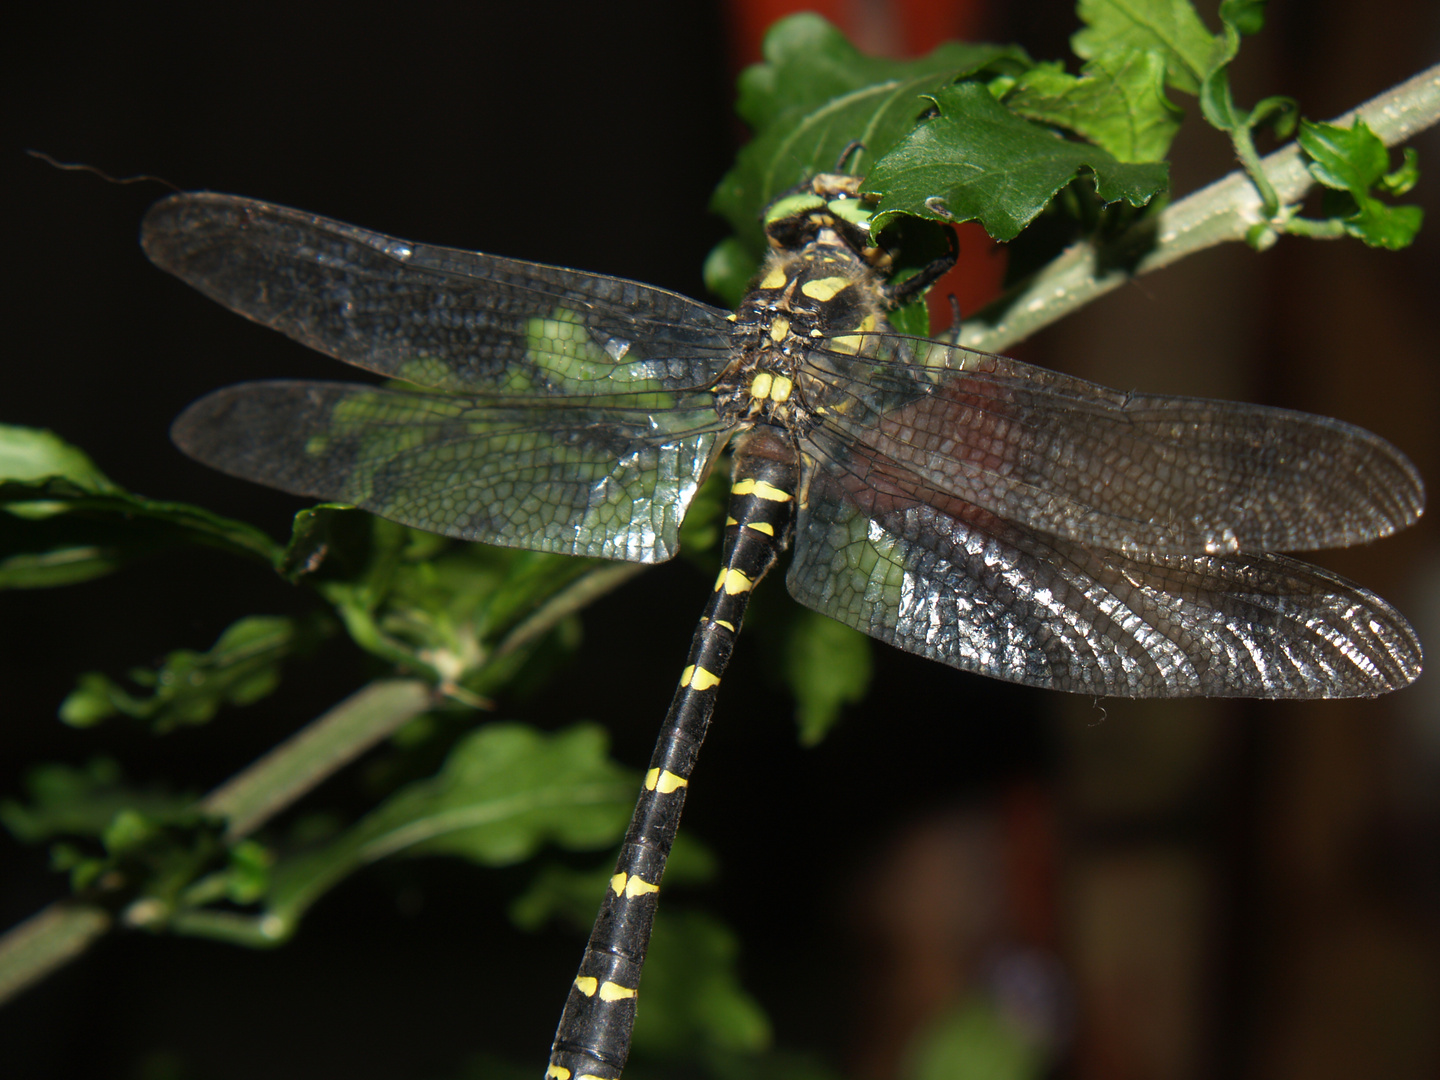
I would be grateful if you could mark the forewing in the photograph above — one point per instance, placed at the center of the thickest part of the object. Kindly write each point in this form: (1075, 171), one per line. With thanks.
(1143, 474)
(437, 317)
(1004, 600)
(606, 482)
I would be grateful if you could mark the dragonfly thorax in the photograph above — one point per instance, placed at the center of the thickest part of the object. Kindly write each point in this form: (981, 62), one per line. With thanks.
(823, 297)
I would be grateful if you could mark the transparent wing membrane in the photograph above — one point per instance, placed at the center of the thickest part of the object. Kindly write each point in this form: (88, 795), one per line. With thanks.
(995, 516)
(438, 317)
(1138, 473)
(999, 599)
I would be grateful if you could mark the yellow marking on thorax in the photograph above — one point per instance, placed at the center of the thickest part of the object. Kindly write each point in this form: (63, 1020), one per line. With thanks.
(851, 343)
(613, 991)
(762, 527)
(774, 279)
(557, 1072)
(761, 490)
(586, 984)
(664, 782)
(779, 329)
(775, 387)
(727, 625)
(824, 289)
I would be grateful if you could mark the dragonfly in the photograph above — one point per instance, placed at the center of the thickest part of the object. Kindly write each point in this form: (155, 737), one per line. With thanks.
(997, 517)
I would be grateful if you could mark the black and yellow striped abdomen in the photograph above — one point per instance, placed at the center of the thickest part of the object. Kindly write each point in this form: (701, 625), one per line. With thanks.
(593, 1039)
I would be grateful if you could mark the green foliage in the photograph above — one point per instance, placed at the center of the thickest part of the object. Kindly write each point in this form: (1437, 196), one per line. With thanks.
(827, 666)
(62, 521)
(82, 802)
(1352, 163)
(1117, 102)
(1022, 166)
(504, 792)
(241, 668)
(975, 1040)
(815, 93)
(113, 837)
(1168, 29)
(693, 997)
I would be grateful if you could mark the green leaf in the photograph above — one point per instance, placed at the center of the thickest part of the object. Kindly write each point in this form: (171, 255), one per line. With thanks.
(154, 843)
(1171, 28)
(1404, 178)
(429, 604)
(693, 998)
(729, 269)
(1216, 102)
(1117, 102)
(975, 160)
(65, 800)
(815, 94)
(242, 667)
(58, 566)
(1247, 16)
(1350, 162)
(64, 522)
(34, 454)
(505, 791)
(974, 1040)
(827, 667)
(1347, 159)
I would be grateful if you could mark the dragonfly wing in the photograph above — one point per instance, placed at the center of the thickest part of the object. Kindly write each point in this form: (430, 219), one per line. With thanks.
(984, 595)
(606, 482)
(437, 317)
(1137, 473)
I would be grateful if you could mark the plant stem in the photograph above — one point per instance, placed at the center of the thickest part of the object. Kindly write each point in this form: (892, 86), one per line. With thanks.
(1224, 211)
(323, 747)
(59, 933)
(47, 940)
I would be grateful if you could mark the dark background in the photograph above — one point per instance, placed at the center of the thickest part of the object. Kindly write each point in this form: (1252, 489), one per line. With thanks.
(1232, 890)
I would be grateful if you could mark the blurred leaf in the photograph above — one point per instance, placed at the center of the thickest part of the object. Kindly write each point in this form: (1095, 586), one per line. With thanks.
(1248, 16)
(974, 1040)
(64, 522)
(1350, 162)
(1117, 102)
(242, 667)
(814, 94)
(134, 843)
(827, 666)
(729, 269)
(30, 454)
(692, 998)
(65, 800)
(504, 792)
(975, 160)
(1170, 28)
(424, 602)
(704, 523)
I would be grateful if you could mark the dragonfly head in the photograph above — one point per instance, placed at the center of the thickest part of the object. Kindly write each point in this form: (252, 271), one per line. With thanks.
(825, 201)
